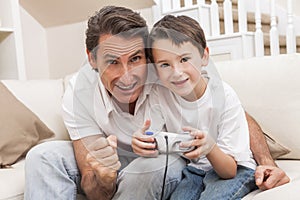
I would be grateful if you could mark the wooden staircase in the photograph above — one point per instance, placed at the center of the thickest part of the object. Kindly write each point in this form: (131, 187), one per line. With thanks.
(265, 22)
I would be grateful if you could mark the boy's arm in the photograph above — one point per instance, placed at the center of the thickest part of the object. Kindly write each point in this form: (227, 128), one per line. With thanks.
(205, 145)
(267, 175)
(142, 144)
(219, 159)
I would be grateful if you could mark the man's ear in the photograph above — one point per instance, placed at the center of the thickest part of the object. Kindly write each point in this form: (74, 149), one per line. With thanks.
(92, 59)
(205, 57)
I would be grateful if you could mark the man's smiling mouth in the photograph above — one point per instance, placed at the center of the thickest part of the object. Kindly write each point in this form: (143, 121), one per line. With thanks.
(127, 87)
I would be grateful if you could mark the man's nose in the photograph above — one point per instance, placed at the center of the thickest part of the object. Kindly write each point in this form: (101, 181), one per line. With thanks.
(126, 76)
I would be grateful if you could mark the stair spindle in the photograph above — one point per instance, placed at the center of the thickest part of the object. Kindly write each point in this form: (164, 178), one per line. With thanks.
(200, 2)
(242, 16)
(166, 6)
(228, 20)
(274, 36)
(290, 30)
(259, 36)
(175, 4)
(188, 3)
(215, 19)
(156, 10)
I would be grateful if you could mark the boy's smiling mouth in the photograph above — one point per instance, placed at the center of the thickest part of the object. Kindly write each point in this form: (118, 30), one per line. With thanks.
(180, 82)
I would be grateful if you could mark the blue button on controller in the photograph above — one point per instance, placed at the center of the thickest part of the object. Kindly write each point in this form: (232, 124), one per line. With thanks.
(149, 133)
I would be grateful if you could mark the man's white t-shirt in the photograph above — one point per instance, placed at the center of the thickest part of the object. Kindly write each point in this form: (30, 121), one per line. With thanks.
(88, 109)
(218, 112)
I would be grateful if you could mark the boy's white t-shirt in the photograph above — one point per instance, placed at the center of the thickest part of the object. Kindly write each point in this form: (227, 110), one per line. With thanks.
(218, 112)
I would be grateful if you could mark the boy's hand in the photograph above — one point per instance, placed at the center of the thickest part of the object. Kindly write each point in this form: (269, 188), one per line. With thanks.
(203, 143)
(142, 144)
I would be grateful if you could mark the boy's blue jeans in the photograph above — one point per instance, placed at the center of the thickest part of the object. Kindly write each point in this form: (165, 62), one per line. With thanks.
(197, 184)
(51, 173)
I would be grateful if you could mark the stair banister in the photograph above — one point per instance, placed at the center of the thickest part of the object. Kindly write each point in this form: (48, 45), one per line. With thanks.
(274, 36)
(228, 21)
(290, 31)
(166, 6)
(188, 3)
(201, 14)
(242, 16)
(175, 4)
(200, 2)
(259, 37)
(156, 11)
(215, 19)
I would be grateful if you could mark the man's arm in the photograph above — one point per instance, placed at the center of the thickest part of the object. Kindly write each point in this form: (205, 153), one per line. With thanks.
(258, 143)
(267, 174)
(98, 176)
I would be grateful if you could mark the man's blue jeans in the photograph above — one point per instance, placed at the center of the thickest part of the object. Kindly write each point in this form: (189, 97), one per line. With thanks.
(52, 173)
(197, 184)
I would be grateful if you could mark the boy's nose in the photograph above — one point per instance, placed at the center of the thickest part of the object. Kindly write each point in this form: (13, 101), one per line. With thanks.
(177, 70)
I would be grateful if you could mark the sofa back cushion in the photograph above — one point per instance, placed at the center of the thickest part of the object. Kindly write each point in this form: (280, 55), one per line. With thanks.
(20, 129)
(43, 98)
(269, 89)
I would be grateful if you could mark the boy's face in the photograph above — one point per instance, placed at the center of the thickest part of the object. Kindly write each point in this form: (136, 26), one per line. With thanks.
(179, 67)
(121, 63)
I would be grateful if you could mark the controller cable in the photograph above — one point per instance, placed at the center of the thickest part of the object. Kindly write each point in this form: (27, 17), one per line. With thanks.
(166, 167)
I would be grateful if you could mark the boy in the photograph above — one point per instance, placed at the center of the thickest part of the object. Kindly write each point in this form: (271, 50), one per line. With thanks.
(206, 107)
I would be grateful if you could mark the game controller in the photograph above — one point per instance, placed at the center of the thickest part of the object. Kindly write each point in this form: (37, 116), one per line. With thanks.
(174, 139)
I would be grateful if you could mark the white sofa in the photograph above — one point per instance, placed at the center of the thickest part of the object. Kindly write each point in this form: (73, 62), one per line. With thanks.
(268, 87)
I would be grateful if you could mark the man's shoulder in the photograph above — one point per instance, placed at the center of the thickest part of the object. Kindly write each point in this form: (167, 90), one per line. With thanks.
(85, 78)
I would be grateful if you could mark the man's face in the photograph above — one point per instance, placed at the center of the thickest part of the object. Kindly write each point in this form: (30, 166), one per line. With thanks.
(121, 63)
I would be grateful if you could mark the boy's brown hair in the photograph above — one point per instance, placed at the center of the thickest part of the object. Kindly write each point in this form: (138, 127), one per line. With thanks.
(179, 29)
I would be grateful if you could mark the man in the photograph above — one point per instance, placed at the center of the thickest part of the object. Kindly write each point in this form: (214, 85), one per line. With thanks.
(105, 102)
(267, 174)
(102, 108)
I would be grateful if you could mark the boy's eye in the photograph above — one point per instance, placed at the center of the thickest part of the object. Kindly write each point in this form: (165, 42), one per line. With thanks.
(184, 59)
(164, 65)
(135, 59)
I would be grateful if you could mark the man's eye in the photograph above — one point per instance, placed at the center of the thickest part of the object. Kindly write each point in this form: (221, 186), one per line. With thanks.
(111, 62)
(164, 65)
(184, 59)
(136, 59)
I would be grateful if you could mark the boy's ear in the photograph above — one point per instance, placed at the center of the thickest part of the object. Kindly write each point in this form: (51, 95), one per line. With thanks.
(92, 59)
(205, 57)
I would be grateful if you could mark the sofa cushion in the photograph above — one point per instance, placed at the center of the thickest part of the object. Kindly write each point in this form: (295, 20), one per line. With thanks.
(44, 98)
(12, 181)
(20, 128)
(275, 148)
(288, 191)
(269, 89)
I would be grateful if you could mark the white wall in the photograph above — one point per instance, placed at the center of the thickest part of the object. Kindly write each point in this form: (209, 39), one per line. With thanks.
(35, 47)
(66, 48)
(147, 14)
(296, 5)
(57, 51)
